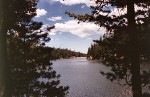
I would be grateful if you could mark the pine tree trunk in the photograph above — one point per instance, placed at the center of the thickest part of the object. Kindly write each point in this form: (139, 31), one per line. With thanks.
(1, 54)
(4, 66)
(136, 79)
(133, 53)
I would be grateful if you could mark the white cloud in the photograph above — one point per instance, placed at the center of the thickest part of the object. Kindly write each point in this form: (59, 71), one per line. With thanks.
(89, 38)
(54, 39)
(82, 6)
(55, 18)
(82, 29)
(74, 2)
(40, 12)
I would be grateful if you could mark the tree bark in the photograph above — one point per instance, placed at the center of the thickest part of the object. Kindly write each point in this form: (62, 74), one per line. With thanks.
(4, 65)
(133, 52)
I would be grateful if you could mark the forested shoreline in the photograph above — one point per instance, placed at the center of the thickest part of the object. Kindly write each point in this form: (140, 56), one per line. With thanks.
(61, 53)
(94, 52)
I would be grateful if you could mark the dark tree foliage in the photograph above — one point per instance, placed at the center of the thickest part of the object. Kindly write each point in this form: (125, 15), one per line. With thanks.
(58, 53)
(94, 52)
(29, 66)
(125, 47)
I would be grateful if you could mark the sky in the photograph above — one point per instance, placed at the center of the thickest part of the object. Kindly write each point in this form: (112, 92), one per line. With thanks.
(68, 33)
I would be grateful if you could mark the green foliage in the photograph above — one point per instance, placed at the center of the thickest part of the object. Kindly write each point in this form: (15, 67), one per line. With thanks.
(125, 46)
(29, 60)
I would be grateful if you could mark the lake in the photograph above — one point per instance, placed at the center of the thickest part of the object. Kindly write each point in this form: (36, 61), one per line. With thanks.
(84, 79)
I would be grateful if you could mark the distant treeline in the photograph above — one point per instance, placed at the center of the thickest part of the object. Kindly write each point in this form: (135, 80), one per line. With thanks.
(58, 53)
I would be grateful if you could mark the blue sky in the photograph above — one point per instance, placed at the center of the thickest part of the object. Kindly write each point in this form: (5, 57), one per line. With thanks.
(68, 33)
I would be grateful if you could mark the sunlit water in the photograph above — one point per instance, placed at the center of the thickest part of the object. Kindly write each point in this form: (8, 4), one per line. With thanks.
(84, 79)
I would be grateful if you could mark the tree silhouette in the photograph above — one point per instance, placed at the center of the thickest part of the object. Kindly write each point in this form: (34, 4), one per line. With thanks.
(27, 67)
(125, 45)
(4, 66)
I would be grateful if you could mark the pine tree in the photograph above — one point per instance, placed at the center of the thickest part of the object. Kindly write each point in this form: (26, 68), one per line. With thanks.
(125, 45)
(30, 70)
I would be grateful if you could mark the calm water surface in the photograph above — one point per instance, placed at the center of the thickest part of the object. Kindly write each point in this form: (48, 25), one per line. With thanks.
(84, 79)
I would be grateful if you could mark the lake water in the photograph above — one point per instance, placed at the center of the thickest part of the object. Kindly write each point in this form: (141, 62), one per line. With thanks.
(84, 79)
